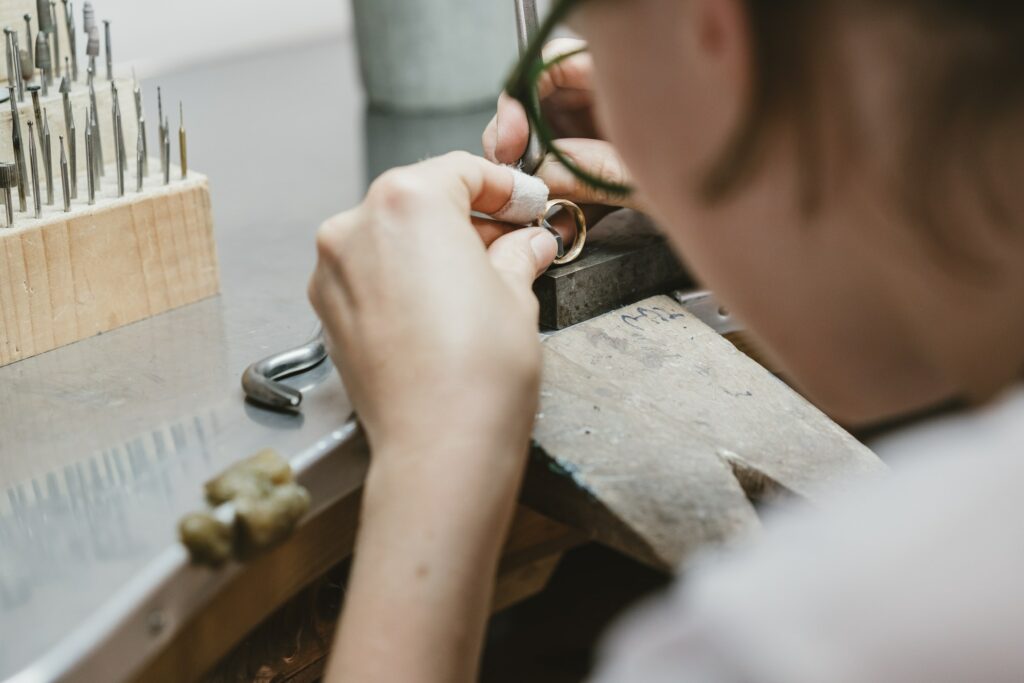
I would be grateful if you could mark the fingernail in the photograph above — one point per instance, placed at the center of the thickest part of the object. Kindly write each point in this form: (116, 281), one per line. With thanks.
(544, 249)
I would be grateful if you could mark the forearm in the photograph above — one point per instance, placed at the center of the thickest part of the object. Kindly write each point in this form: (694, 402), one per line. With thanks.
(420, 590)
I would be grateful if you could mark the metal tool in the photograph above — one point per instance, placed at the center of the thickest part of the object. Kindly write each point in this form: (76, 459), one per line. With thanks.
(69, 24)
(706, 307)
(65, 177)
(92, 49)
(16, 54)
(47, 158)
(140, 117)
(43, 16)
(90, 159)
(110, 53)
(88, 17)
(19, 150)
(527, 26)
(167, 160)
(55, 37)
(12, 71)
(27, 70)
(182, 141)
(260, 380)
(140, 160)
(43, 63)
(37, 109)
(161, 132)
(8, 179)
(123, 158)
(28, 38)
(119, 153)
(69, 126)
(96, 138)
(95, 168)
(34, 161)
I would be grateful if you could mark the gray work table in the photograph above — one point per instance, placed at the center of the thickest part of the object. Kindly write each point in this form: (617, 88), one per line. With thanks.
(105, 443)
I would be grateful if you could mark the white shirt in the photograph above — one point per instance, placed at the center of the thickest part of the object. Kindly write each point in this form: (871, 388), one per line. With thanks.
(916, 578)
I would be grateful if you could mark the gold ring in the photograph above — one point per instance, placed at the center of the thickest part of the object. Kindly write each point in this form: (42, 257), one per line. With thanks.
(581, 229)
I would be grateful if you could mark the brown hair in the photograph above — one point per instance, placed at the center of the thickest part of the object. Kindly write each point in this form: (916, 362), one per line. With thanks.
(973, 80)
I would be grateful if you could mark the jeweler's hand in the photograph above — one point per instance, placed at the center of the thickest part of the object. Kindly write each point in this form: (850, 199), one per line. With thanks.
(567, 101)
(431, 318)
(432, 322)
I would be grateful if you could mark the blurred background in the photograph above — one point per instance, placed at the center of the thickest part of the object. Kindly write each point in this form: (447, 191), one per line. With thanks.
(158, 36)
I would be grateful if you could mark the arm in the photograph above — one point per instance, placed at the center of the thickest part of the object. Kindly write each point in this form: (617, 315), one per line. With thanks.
(420, 590)
(432, 324)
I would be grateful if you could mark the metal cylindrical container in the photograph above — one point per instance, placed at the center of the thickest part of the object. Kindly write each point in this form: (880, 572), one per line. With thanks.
(434, 55)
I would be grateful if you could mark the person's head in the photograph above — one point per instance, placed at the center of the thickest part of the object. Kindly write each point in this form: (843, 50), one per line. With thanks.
(842, 172)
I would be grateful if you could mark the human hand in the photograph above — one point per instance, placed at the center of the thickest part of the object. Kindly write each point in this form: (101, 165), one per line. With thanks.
(430, 314)
(567, 99)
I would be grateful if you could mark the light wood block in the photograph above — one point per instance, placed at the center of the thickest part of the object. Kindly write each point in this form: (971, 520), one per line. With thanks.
(69, 276)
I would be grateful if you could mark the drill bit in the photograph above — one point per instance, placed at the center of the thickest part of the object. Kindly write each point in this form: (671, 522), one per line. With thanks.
(43, 62)
(34, 160)
(119, 153)
(28, 37)
(19, 80)
(96, 139)
(28, 70)
(110, 53)
(140, 160)
(73, 151)
(167, 160)
(92, 48)
(182, 141)
(88, 17)
(12, 71)
(140, 115)
(38, 110)
(19, 150)
(8, 179)
(55, 37)
(69, 126)
(160, 124)
(69, 24)
(65, 179)
(94, 167)
(90, 161)
(43, 16)
(47, 158)
(65, 93)
(119, 127)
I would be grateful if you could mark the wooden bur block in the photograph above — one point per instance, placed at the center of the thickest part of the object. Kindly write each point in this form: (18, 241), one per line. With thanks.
(69, 276)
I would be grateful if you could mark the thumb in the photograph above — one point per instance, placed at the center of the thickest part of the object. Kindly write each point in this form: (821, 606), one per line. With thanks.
(522, 255)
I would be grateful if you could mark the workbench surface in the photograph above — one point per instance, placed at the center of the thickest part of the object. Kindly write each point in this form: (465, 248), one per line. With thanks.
(105, 443)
